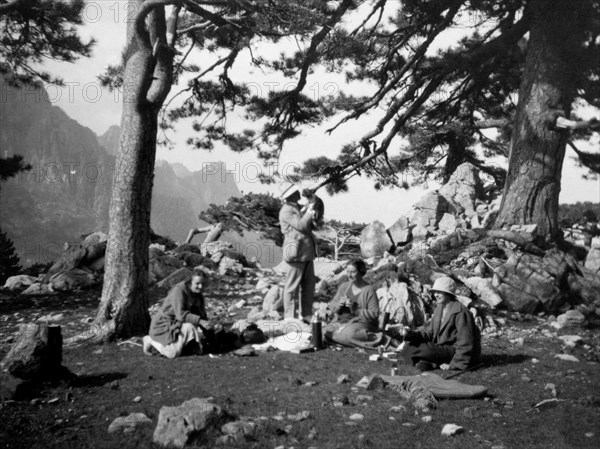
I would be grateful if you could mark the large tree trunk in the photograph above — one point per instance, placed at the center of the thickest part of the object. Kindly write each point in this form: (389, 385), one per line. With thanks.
(147, 80)
(537, 148)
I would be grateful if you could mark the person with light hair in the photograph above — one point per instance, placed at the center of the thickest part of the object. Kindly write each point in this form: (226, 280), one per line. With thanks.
(299, 251)
(451, 341)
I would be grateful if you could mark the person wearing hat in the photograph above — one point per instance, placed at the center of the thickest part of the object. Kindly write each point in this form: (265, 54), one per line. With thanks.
(452, 340)
(298, 252)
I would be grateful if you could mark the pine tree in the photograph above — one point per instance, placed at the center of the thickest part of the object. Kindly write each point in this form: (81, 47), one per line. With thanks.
(9, 261)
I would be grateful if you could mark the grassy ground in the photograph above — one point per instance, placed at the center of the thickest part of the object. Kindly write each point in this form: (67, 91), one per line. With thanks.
(267, 388)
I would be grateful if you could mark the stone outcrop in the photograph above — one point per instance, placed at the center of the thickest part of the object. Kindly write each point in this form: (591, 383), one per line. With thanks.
(374, 240)
(181, 425)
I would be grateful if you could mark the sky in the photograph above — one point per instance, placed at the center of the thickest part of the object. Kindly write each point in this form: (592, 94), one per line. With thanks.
(84, 100)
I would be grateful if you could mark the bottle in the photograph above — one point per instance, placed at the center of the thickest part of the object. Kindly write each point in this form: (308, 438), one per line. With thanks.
(317, 333)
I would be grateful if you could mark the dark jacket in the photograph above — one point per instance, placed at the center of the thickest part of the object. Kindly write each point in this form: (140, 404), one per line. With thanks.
(298, 243)
(457, 330)
(180, 306)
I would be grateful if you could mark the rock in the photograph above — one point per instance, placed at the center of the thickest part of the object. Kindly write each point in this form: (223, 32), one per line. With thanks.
(38, 288)
(476, 222)
(427, 418)
(356, 417)
(571, 340)
(373, 382)
(570, 318)
(400, 231)
(343, 378)
(19, 281)
(162, 266)
(451, 429)
(463, 188)
(178, 426)
(592, 260)
(527, 275)
(552, 389)
(229, 266)
(429, 210)
(420, 233)
(567, 357)
(9, 385)
(239, 429)
(447, 224)
(175, 277)
(374, 240)
(517, 300)
(326, 268)
(404, 306)
(484, 289)
(74, 279)
(129, 423)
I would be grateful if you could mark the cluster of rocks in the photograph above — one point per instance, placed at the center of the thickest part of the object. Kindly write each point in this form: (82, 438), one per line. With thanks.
(82, 265)
(447, 233)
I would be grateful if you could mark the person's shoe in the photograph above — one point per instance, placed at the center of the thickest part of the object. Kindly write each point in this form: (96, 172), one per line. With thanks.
(147, 346)
(423, 365)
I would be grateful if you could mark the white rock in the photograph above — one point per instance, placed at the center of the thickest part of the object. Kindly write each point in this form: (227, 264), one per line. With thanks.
(567, 357)
(571, 340)
(451, 429)
(357, 417)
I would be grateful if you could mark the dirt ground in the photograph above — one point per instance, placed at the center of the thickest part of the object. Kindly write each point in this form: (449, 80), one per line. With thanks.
(117, 379)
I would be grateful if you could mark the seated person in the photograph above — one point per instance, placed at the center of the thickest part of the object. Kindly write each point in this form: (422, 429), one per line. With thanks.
(181, 323)
(355, 310)
(451, 340)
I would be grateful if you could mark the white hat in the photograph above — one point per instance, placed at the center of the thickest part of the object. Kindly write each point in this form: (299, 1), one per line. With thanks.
(444, 284)
(287, 190)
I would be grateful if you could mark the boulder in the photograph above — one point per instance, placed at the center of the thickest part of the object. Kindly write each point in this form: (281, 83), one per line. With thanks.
(587, 289)
(400, 231)
(420, 233)
(463, 188)
(592, 261)
(175, 277)
(403, 305)
(326, 268)
(162, 266)
(430, 209)
(181, 425)
(374, 240)
(38, 288)
(71, 280)
(484, 289)
(447, 224)
(19, 281)
(129, 423)
(570, 318)
(95, 238)
(230, 266)
(527, 274)
(516, 299)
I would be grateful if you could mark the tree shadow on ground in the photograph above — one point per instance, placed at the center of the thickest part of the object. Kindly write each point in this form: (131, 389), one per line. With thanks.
(35, 388)
(96, 380)
(489, 360)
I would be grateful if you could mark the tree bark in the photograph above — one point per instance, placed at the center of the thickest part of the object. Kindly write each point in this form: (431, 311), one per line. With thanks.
(37, 354)
(123, 310)
(547, 89)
